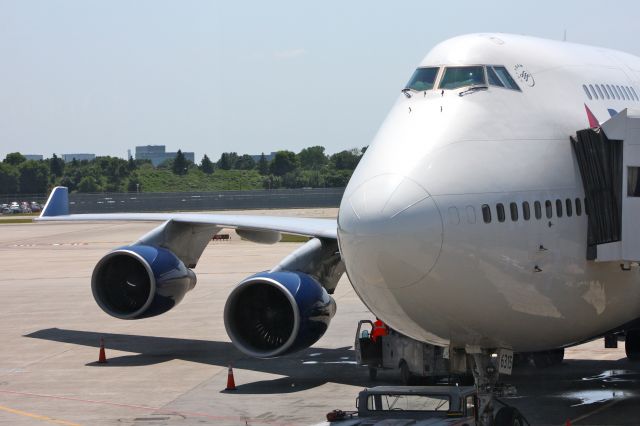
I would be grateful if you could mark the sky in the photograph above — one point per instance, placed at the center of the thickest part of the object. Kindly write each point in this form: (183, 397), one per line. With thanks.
(246, 76)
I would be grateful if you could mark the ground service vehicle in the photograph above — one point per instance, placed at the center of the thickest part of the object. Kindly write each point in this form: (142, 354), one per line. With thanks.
(416, 405)
(414, 359)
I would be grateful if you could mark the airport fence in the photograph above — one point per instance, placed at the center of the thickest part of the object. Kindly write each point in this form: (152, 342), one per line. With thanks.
(195, 201)
(199, 201)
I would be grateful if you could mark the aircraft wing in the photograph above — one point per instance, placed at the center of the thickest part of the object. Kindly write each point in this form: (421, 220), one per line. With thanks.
(57, 209)
(187, 234)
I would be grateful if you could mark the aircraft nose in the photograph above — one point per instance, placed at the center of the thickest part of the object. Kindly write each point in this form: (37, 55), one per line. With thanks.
(390, 232)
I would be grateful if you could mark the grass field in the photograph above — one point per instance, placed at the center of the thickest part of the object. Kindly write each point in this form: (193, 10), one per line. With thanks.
(5, 221)
(288, 238)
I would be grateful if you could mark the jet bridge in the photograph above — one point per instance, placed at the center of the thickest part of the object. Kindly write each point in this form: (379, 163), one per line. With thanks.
(609, 161)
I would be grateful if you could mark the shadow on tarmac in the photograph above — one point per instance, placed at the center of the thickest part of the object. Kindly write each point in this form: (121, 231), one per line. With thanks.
(303, 370)
(605, 392)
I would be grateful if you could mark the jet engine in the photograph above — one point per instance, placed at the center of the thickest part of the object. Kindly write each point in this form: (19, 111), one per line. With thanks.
(140, 281)
(275, 313)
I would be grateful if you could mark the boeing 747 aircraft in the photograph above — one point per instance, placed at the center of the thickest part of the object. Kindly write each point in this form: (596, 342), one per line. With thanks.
(494, 210)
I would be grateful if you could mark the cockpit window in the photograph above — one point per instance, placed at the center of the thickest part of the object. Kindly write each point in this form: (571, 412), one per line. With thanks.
(423, 79)
(494, 80)
(455, 77)
(505, 78)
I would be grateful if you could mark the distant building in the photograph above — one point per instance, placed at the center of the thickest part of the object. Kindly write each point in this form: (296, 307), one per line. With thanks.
(269, 156)
(78, 157)
(158, 155)
(34, 157)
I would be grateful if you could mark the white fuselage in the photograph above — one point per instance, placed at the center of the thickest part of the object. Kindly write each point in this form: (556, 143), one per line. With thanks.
(411, 228)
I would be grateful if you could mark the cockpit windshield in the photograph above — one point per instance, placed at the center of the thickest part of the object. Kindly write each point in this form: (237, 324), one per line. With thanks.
(423, 79)
(455, 77)
(473, 77)
(504, 79)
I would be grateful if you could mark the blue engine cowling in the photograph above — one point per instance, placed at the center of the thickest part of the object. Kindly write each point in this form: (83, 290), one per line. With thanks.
(134, 282)
(275, 313)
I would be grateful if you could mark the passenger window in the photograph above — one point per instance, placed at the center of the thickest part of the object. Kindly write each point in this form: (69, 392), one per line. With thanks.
(454, 216)
(455, 77)
(494, 80)
(471, 214)
(593, 92)
(514, 211)
(605, 91)
(538, 209)
(615, 94)
(610, 92)
(628, 92)
(624, 94)
(578, 207)
(586, 91)
(423, 79)
(549, 209)
(500, 212)
(633, 182)
(506, 78)
(559, 208)
(621, 92)
(569, 207)
(526, 213)
(635, 95)
(486, 213)
(599, 92)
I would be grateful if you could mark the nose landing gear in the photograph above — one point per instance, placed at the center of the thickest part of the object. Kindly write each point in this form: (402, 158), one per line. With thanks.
(485, 374)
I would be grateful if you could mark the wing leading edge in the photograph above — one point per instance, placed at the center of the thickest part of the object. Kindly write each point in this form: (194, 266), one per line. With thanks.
(57, 209)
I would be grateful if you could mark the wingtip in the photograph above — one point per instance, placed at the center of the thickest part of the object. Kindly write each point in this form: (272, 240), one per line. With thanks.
(58, 203)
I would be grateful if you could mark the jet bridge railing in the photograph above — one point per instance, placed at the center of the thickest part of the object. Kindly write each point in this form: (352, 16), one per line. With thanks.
(609, 162)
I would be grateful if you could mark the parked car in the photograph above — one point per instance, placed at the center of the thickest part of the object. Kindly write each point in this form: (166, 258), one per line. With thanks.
(5, 209)
(15, 207)
(35, 207)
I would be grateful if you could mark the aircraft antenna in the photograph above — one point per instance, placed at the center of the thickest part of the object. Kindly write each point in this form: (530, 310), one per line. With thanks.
(565, 35)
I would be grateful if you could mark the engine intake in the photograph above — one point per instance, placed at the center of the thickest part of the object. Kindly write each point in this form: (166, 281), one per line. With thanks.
(275, 313)
(140, 281)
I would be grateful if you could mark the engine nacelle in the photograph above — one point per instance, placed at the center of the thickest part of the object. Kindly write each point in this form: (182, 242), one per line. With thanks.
(140, 281)
(275, 313)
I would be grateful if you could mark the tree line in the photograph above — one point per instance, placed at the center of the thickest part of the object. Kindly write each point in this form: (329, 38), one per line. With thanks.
(311, 167)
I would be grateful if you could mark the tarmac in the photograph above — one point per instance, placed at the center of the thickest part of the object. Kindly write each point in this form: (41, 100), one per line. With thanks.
(172, 369)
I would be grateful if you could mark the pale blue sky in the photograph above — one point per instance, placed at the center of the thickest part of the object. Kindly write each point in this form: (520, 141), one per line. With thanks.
(212, 76)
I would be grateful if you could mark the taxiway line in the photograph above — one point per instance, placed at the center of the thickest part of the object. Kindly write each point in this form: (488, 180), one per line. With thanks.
(596, 411)
(155, 410)
(36, 416)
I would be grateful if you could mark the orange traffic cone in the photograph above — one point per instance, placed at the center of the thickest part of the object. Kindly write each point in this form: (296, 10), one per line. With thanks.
(231, 384)
(102, 358)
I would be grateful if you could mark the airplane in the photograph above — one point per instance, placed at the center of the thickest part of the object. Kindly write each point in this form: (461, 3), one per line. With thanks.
(494, 209)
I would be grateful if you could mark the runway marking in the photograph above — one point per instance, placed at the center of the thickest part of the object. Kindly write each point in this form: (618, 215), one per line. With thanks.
(154, 410)
(596, 411)
(36, 416)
